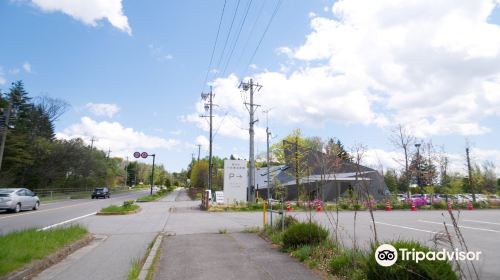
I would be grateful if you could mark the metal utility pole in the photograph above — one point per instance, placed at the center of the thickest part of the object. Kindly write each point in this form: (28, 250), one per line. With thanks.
(199, 149)
(209, 106)
(251, 107)
(470, 175)
(268, 133)
(152, 173)
(126, 172)
(4, 134)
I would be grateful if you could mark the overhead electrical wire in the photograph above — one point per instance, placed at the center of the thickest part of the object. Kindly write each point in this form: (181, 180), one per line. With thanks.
(215, 44)
(228, 35)
(276, 8)
(237, 37)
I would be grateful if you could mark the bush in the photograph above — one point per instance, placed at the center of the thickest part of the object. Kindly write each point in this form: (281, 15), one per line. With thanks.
(303, 234)
(127, 203)
(289, 220)
(440, 205)
(425, 269)
(302, 253)
(349, 263)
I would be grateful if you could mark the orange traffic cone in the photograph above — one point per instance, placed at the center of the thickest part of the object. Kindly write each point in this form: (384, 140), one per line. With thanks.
(413, 206)
(288, 207)
(469, 206)
(387, 206)
(449, 205)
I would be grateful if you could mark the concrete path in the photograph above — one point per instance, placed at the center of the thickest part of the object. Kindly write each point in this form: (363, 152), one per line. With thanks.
(119, 241)
(226, 256)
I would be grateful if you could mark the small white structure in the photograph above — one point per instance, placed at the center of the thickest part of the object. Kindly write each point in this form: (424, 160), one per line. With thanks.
(235, 180)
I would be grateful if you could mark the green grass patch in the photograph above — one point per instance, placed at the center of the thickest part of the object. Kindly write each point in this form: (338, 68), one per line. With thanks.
(22, 247)
(148, 198)
(135, 269)
(127, 207)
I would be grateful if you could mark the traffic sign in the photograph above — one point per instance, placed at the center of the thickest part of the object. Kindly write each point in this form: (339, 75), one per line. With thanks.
(137, 155)
(144, 155)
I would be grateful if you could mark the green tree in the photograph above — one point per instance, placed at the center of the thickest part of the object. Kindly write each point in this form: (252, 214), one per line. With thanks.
(199, 174)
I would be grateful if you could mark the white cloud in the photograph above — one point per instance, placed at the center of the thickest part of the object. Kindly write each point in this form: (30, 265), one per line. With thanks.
(159, 54)
(27, 67)
(121, 140)
(3, 81)
(103, 109)
(89, 11)
(433, 67)
(203, 141)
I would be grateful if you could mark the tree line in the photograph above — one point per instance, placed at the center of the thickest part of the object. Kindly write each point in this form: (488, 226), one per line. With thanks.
(34, 158)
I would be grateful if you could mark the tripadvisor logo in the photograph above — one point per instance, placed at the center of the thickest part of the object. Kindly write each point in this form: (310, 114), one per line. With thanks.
(386, 255)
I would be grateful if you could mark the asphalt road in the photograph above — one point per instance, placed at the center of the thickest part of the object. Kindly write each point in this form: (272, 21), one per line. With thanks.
(57, 212)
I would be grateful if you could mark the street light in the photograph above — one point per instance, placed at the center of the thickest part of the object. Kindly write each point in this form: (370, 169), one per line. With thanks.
(417, 145)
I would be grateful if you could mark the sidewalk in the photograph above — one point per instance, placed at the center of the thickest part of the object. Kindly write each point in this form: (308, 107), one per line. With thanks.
(119, 241)
(226, 256)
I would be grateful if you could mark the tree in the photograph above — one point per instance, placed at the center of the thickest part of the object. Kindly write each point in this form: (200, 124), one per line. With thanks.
(402, 139)
(199, 174)
(391, 180)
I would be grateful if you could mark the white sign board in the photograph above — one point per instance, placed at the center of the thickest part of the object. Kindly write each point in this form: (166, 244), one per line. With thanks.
(219, 197)
(235, 180)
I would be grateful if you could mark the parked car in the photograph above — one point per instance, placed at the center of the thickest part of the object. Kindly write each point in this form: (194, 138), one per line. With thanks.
(15, 200)
(100, 192)
(493, 198)
(419, 199)
(401, 197)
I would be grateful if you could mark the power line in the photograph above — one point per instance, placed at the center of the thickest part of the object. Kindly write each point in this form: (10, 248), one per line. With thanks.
(215, 43)
(276, 8)
(228, 34)
(237, 37)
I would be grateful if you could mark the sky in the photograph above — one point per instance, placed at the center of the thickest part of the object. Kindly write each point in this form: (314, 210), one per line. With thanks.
(133, 72)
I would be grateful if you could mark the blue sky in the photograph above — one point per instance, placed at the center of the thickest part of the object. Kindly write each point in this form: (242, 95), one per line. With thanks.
(133, 71)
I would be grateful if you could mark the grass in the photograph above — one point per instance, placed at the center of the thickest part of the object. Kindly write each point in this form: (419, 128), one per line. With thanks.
(20, 248)
(135, 270)
(127, 207)
(137, 263)
(154, 265)
(153, 197)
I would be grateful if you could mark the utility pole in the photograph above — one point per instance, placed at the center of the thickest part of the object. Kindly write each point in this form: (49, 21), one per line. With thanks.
(251, 107)
(109, 152)
(418, 166)
(126, 172)
(268, 133)
(199, 149)
(209, 106)
(470, 175)
(92, 142)
(4, 134)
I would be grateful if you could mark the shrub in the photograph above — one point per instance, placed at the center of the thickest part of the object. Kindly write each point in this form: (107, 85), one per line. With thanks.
(302, 253)
(128, 203)
(303, 234)
(440, 205)
(289, 220)
(425, 269)
(349, 263)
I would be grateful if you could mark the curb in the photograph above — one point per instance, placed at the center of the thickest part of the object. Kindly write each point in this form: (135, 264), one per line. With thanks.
(149, 261)
(32, 269)
(119, 213)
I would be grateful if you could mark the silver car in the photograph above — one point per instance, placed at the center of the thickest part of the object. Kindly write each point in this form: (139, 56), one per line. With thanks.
(15, 200)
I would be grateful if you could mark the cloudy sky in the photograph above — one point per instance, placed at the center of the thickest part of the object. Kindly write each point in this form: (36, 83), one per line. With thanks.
(133, 71)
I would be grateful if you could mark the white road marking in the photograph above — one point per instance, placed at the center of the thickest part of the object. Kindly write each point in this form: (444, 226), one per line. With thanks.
(482, 222)
(410, 228)
(450, 225)
(67, 221)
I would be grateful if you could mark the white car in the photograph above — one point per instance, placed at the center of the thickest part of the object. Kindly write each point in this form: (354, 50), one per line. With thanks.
(15, 200)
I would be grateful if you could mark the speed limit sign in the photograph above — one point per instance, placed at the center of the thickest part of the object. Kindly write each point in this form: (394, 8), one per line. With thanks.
(137, 155)
(144, 155)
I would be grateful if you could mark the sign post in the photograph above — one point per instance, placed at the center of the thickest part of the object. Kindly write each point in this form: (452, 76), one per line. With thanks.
(235, 180)
(145, 155)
